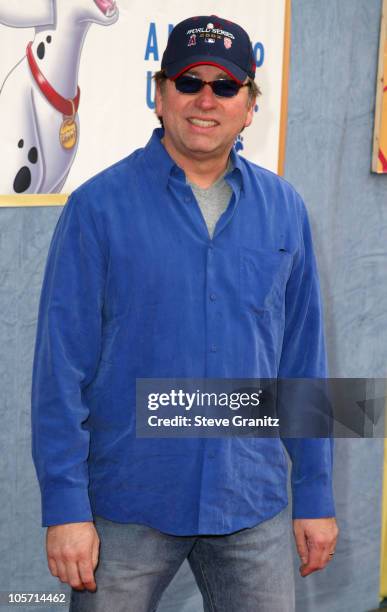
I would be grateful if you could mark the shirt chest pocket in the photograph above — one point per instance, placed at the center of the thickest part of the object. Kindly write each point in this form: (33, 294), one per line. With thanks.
(263, 278)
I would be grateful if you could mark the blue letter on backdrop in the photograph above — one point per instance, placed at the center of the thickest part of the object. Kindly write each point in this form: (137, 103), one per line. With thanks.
(151, 45)
(259, 54)
(150, 96)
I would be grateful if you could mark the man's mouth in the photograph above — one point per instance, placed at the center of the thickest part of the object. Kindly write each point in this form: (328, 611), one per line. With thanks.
(108, 7)
(203, 123)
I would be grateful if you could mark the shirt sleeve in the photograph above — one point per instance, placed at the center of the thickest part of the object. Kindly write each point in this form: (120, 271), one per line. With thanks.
(304, 356)
(66, 358)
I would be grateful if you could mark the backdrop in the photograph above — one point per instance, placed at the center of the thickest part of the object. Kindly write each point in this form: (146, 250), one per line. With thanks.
(332, 96)
(113, 67)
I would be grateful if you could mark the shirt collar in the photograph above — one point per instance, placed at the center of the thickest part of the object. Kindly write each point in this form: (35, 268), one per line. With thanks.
(158, 158)
(236, 176)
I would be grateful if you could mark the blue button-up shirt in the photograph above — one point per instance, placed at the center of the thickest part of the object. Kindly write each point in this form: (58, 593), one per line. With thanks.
(128, 293)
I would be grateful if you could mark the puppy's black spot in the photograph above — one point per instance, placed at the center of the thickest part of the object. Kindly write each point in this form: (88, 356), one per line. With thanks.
(33, 155)
(20, 144)
(48, 39)
(22, 180)
(41, 50)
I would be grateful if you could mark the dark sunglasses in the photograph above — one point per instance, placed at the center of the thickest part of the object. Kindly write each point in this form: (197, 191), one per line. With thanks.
(224, 88)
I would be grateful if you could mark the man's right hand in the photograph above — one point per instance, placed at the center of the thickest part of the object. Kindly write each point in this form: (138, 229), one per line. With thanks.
(72, 554)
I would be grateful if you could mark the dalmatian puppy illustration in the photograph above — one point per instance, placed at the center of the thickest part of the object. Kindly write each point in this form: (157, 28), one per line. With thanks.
(40, 96)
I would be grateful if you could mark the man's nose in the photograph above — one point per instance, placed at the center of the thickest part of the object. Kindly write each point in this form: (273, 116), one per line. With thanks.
(206, 97)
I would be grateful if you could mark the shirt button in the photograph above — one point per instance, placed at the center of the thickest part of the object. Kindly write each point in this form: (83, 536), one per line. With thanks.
(214, 348)
(211, 247)
(212, 297)
(187, 198)
(211, 455)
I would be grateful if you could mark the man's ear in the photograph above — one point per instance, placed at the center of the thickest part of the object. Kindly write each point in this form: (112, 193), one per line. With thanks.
(250, 111)
(158, 101)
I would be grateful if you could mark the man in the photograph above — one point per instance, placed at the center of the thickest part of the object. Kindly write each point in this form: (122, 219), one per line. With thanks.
(182, 260)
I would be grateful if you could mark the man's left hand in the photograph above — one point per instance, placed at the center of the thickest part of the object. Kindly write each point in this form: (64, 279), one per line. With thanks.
(316, 542)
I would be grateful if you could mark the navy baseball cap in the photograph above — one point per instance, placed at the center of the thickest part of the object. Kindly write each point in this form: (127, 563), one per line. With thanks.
(209, 40)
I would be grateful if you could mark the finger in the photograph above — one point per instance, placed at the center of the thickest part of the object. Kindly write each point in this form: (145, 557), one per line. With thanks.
(95, 553)
(52, 566)
(302, 547)
(62, 573)
(318, 559)
(312, 564)
(87, 574)
(74, 579)
(326, 546)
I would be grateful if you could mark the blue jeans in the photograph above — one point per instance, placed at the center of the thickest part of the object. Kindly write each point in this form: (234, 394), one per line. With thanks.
(249, 570)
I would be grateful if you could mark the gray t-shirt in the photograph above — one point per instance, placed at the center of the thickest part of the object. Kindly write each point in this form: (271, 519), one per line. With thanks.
(213, 200)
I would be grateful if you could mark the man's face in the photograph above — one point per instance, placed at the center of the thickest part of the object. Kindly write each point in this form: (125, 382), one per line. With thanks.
(183, 114)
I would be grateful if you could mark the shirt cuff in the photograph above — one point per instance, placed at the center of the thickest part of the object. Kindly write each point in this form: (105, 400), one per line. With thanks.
(69, 505)
(313, 499)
